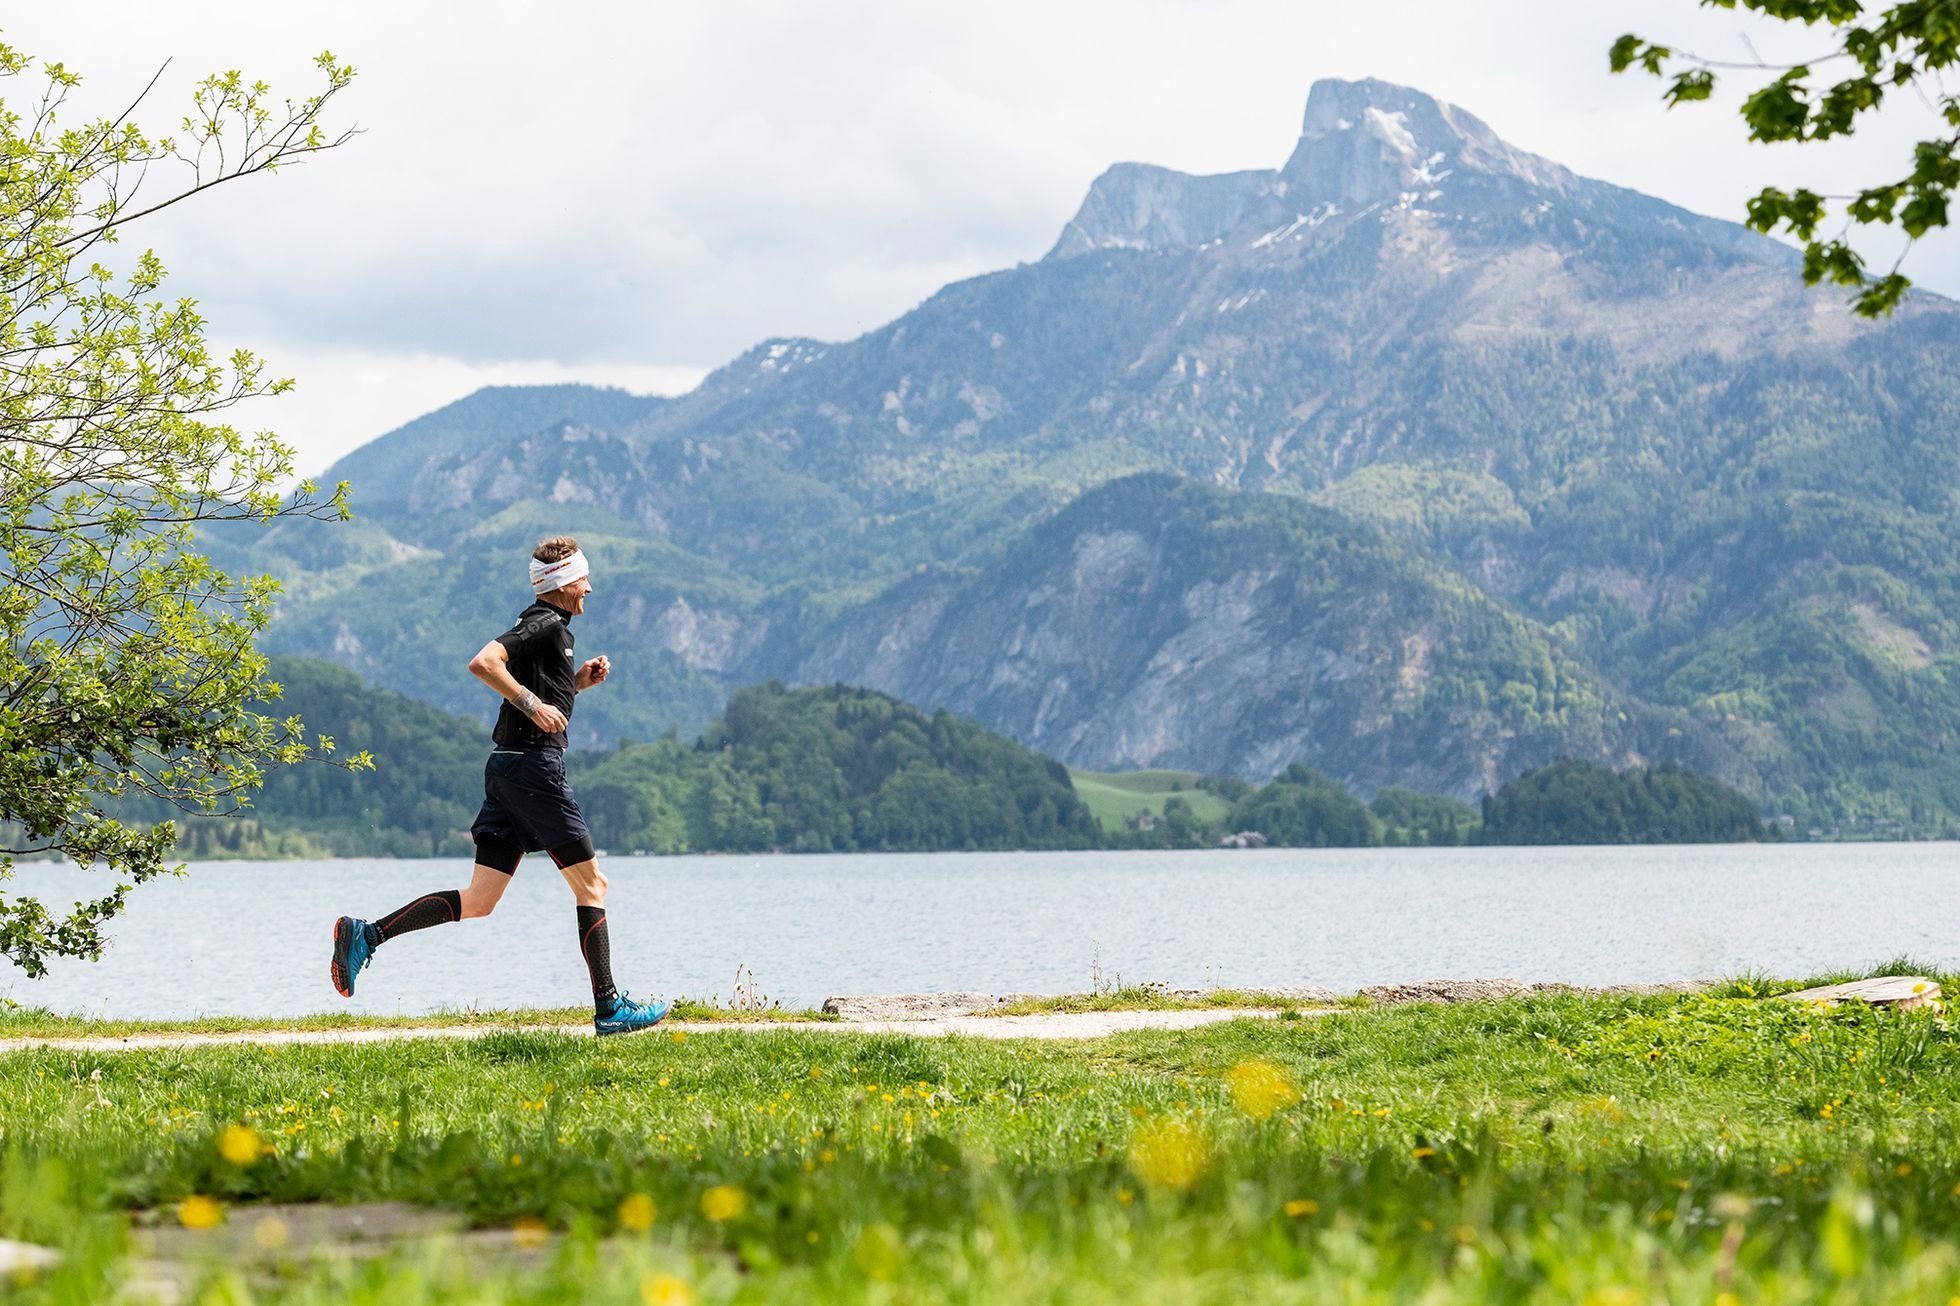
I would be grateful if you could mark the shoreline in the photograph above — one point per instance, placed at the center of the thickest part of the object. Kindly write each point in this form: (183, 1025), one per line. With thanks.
(971, 1013)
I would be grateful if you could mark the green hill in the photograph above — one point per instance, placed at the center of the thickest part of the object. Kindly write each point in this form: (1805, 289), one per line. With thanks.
(1117, 798)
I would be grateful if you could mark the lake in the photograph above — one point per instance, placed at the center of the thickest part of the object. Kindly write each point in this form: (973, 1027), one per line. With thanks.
(252, 938)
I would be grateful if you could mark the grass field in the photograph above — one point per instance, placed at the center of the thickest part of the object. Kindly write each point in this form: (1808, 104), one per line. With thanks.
(1559, 1149)
(1117, 796)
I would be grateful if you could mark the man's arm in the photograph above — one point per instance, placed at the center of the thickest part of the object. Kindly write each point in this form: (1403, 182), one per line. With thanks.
(489, 666)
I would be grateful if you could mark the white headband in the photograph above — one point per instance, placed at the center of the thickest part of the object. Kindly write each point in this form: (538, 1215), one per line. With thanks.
(548, 576)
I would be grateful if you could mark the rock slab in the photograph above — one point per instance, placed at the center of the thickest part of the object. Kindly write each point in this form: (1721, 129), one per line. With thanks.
(1442, 990)
(909, 1006)
(1899, 992)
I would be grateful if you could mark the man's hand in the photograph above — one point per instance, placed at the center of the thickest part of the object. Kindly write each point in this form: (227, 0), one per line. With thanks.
(594, 671)
(548, 719)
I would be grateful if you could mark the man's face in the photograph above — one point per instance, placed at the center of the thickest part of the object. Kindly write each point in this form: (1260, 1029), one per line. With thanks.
(571, 597)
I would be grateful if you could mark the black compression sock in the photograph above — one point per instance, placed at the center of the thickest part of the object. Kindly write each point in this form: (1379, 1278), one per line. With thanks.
(597, 949)
(429, 909)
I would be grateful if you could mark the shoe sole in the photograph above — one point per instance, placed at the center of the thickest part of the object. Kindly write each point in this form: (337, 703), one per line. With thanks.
(336, 968)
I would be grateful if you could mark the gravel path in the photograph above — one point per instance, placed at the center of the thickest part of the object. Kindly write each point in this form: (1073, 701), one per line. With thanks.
(1084, 1024)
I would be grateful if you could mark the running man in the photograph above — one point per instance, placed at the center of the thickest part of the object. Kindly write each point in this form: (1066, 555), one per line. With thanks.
(527, 806)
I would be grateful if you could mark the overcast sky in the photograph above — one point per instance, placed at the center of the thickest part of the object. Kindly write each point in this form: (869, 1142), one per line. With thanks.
(631, 194)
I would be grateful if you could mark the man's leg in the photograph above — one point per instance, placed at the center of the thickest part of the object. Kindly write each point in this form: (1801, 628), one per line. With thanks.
(556, 822)
(355, 940)
(594, 944)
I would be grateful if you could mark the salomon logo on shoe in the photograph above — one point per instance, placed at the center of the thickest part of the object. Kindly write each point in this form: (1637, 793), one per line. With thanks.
(628, 1016)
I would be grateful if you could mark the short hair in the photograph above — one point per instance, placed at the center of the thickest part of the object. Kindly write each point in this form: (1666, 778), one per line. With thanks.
(556, 549)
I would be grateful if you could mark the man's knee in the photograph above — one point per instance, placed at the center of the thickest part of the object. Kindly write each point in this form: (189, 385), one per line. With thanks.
(587, 881)
(476, 903)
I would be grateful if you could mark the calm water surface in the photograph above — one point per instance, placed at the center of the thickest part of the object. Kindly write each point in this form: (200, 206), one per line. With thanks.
(252, 938)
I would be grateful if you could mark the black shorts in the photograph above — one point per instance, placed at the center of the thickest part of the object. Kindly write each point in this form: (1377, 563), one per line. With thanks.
(526, 801)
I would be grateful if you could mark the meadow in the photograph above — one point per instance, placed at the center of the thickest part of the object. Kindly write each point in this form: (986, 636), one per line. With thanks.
(1717, 1147)
(1117, 797)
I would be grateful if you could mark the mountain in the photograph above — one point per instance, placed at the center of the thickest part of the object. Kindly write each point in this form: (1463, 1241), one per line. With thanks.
(1712, 497)
(1158, 618)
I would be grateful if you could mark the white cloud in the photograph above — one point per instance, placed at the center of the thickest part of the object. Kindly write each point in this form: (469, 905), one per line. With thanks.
(567, 191)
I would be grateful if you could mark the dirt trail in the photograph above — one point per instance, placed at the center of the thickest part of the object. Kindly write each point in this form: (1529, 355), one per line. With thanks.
(1083, 1024)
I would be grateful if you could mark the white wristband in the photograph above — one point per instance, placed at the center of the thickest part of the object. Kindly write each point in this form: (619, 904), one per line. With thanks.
(527, 702)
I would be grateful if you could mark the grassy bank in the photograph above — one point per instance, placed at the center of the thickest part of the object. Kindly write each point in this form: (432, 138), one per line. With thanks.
(35, 1022)
(1558, 1148)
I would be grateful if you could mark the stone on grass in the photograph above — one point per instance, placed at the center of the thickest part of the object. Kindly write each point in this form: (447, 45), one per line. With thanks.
(1442, 990)
(22, 1261)
(278, 1230)
(1899, 992)
(909, 1006)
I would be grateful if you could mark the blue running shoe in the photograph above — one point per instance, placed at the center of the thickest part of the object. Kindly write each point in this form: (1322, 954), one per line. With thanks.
(628, 1015)
(353, 947)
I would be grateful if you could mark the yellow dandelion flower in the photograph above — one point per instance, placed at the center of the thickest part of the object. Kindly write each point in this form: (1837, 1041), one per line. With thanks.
(270, 1233)
(1260, 1088)
(665, 1290)
(1124, 1197)
(1168, 1153)
(1421, 1152)
(679, 1036)
(529, 1232)
(240, 1144)
(812, 1237)
(1302, 1206)
(1903, 1169)
(724, 1202)
(636, 1213)
(816, 1072)
(199, 1212)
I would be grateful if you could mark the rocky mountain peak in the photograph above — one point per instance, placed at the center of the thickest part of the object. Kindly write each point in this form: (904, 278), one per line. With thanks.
(1362, 143)
(1366, 142)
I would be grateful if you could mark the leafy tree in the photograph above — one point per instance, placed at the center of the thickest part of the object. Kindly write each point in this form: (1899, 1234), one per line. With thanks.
(127, 665)
(1877, 49)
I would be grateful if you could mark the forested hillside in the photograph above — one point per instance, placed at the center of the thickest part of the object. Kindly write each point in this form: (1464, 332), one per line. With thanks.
(418, 801)
(832, 769)
(1577, 802)
(836, 768)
